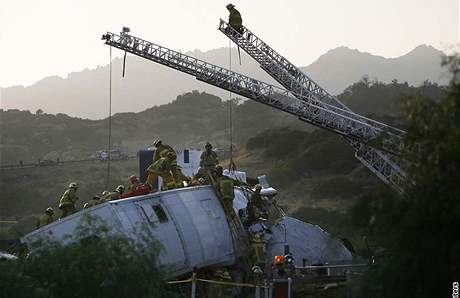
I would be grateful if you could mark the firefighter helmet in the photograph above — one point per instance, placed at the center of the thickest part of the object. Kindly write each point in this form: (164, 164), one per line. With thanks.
(230, 6)
(49, 210)
(120, 188)
(226, 275)
(208, 145)
(156, 142)
(133, 178)
(73, 185)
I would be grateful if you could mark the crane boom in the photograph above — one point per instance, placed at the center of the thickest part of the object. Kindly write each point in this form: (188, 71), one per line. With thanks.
(292, 78)
(307, 109)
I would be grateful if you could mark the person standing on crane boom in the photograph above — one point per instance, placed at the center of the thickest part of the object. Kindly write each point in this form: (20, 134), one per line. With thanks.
(234, 19)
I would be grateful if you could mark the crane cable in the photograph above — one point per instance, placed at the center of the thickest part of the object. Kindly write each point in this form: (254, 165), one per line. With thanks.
(109, 157)
(232, 165)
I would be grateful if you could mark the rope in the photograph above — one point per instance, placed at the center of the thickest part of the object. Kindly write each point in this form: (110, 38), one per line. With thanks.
(109, 157)
(230, 166)
(217, 282)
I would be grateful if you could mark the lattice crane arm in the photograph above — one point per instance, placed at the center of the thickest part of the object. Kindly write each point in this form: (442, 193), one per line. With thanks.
(327, 116)
(386, 166)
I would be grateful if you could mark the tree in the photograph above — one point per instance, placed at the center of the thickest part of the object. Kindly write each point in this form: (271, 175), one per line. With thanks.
(424, 226)
(39, 112)
(97, 263)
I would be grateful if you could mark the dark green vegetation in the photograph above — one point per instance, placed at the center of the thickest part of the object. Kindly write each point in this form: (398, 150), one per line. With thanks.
(318, 178)
(190, 120)
(421, 231)
(26, 193)
(311, 168)
(100, 265)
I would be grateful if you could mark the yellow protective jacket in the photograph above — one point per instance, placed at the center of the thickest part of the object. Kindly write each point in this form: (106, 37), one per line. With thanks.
(112, 196)
(234, 19)
(225, 186)
(91, 203)
(44, 219)
(161, 151)
(69, 198)
(209, 159)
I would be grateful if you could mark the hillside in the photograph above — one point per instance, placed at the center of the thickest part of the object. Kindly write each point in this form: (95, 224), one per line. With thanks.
(189, 121)
(85, 93)
(315, 171)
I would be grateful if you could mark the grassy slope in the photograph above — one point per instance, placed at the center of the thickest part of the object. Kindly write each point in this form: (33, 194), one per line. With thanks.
(315, 171)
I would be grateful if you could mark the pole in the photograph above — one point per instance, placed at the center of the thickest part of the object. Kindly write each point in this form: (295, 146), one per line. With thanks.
(193, 294)
(110, 121)
(266, 289)
(257, 293)
(289, 287)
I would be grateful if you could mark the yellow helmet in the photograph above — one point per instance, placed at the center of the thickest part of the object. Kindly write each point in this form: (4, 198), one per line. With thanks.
(120, 188)
(226, 275)
(49, 210)
(73, 185)
(156, 142)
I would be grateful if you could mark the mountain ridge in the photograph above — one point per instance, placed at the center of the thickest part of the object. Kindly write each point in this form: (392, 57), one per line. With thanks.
(85, 93)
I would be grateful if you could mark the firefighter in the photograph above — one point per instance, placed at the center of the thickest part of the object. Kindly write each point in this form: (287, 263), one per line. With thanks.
(104, 194)
(198, 182)
(46, 218)
(161, 150)
(93, 202)
(256, 198)
(202, 174)
(234, 19)
(224, 187)
(253, 213)
(68, 200)
(166, 168)
(115, 195)
(208, 159)
(257, 251)
(221, 290)
(134, 183)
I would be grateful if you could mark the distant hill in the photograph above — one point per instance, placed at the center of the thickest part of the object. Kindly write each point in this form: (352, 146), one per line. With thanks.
(190, 120)
(340, 67)
(146, 84)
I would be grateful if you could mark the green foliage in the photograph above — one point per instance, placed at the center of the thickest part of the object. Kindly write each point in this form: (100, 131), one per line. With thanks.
(97, 263)
(337, 187)
(422, 230)
(297, 153)
(379, 99)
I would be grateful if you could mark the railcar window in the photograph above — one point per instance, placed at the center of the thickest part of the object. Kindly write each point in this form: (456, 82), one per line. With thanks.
(160, 213)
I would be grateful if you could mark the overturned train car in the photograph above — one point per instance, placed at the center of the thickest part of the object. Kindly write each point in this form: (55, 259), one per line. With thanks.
(194, 232)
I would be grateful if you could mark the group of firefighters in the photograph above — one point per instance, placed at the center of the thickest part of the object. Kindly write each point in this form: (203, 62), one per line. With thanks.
(165, 165)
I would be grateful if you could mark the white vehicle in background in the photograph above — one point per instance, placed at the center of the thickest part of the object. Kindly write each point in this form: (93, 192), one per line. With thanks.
(115, 154)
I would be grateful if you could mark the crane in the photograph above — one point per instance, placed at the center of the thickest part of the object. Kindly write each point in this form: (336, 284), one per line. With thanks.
(307, 106)
(387, 167)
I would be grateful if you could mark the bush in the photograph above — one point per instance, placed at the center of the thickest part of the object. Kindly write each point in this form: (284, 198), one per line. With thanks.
(101, 264)
(337, 187)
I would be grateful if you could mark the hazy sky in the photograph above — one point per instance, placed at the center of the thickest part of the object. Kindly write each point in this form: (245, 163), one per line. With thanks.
(54, 37)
